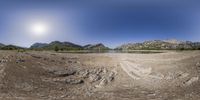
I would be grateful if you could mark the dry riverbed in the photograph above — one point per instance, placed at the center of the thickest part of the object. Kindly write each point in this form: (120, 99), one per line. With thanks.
(105, 76)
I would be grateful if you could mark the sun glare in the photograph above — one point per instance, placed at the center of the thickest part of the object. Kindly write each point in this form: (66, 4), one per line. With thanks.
(39, 29)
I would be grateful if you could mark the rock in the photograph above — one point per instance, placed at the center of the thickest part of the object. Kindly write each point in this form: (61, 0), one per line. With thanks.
(74, 81)
(45, 59)
(111, 76)
(70, 61)
(77, 62)
(105, 70)
(103, 82)
(53, 54)
(191, 80)
(3, 61)
(53, 61)
(83, 73)
(63, 73)
(34, 56)
(183, 75)
(20, 60)
(198, 64)
(63, 58)
(96, 71)
(169, 76)
(94, 77)
(99, 71)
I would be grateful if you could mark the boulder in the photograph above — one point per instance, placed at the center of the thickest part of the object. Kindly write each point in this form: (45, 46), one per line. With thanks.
(63, 73)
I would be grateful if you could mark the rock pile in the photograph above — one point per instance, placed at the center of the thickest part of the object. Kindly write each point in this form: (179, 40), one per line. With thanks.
(97, 77)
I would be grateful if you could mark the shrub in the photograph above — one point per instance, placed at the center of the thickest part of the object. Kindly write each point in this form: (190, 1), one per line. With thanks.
(56, 48)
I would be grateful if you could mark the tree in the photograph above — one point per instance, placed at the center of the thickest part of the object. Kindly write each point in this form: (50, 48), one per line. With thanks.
(56, 48)
(61, 49)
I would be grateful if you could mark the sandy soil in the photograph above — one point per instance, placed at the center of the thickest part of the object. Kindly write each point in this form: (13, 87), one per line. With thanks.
(39, 75)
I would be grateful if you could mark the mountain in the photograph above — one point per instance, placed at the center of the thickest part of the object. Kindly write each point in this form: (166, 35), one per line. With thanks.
(60, 45)
(98, 46)
(1, 45)
(11, 47)
(38, 45)
(68, 46)
(161, 45)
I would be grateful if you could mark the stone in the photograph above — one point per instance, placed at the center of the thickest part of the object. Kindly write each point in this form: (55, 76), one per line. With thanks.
(53, 61)
(84, 73)
(63, 73)
(111, 76)
(105, 70)
(198, 64)
(34, 56)
(191, 80)
(63, 58)
(3, 61)
(102, 83)
(96, 71)
(94, 77)
(20, 60)
(183, 75)
(70, 61)
(74, 81)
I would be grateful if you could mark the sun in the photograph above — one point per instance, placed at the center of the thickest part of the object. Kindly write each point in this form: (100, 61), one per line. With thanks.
(39, 29)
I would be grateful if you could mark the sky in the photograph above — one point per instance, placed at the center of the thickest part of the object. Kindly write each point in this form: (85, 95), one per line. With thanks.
(111, 22)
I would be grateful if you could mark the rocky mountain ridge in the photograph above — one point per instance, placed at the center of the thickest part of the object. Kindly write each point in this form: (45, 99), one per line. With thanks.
(172, 44)
(161, 45)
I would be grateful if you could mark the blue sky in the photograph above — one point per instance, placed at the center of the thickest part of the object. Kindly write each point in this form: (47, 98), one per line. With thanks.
(112, 22)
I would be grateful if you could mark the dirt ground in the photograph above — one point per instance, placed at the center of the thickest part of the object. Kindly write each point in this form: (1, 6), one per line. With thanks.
(41, 75)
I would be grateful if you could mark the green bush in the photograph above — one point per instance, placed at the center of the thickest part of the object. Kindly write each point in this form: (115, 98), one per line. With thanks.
(56, 48)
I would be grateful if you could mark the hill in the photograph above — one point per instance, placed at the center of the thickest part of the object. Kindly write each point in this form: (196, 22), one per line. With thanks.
(38, 45)
(60, 45)
(11, 47)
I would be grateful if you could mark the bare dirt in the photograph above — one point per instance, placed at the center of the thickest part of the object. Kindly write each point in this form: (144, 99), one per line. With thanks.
(41, 75)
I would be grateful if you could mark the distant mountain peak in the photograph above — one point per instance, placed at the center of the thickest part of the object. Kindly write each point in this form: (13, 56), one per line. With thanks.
(95, 46)
(2, 45)
(38, 45)
(174, 41)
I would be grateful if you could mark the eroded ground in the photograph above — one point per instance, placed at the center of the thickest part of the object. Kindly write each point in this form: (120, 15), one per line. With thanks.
(107, 76)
